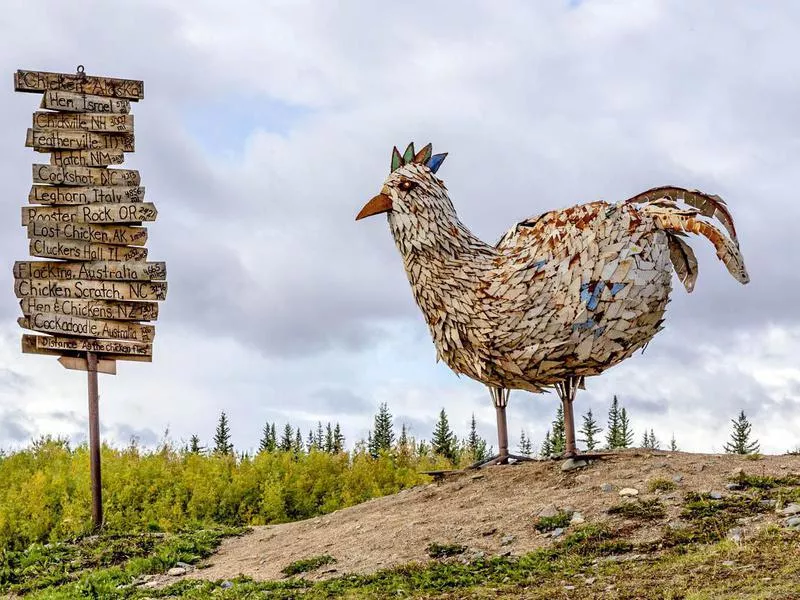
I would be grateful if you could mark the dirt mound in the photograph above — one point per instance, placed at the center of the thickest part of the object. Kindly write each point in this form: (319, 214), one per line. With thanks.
(493, 511)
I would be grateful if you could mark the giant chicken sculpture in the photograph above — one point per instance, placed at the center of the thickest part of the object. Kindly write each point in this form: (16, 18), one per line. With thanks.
(560, 297)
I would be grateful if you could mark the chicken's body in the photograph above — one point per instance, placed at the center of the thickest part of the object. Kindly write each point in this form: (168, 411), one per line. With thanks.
(561, 296)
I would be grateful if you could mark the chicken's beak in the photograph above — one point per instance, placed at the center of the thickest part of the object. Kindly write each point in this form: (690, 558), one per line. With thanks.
(379, 204)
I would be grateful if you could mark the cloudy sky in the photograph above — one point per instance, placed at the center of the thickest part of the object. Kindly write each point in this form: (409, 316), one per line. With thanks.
(267, 125)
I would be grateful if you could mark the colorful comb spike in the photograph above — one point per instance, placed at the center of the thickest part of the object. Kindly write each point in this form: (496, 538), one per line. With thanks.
(423, 155)
(397, 160)
(436, 161)
(408, 155)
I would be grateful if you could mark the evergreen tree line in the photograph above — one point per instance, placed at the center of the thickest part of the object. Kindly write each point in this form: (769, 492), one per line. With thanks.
(381, 439)
(619, 434)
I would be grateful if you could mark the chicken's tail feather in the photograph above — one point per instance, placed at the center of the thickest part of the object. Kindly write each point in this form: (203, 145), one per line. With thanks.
(661, 204)
(708, 205)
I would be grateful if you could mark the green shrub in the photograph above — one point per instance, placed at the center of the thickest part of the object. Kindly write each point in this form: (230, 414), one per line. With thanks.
(46, 495)
(308, 564)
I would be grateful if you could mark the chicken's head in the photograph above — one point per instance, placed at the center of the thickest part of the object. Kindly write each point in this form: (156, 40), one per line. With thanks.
(412, 180)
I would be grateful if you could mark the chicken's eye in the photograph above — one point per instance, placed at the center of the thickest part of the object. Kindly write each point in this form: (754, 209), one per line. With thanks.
(407, 185)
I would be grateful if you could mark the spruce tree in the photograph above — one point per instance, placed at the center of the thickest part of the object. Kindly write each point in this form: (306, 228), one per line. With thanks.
(625, 431)
(525, 446)
(740, 437)
(444, 440)
(476, 445)
(654, 443)
(297, 446)
(402, 441)
(547, 446)
(558, 437)
(286, 440)
(672, 443)
(338, 439)
(613, 431)
(589, 429)
(311, 441)
(194, 445)
(320, 438)
(383, 437)
(222, 436)
(646, 440)
(330, 442)
(264, 442)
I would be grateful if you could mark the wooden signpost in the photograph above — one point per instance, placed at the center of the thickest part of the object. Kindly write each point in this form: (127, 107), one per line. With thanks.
(97, 301)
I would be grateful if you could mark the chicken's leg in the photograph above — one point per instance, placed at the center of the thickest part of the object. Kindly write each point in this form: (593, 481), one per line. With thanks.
(566, 391)
(500, 401)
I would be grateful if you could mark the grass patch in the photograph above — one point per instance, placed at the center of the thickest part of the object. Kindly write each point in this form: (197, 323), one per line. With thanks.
(661, 485)
(561, 519)
(308, 564)
(102, 562)
(444, 550)
(765, 482)
(644, 510)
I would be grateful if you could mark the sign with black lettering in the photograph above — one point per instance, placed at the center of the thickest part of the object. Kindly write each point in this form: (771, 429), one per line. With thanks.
(90, 213)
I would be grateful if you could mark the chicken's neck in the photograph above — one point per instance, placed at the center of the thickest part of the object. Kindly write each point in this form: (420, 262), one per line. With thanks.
(442, 258)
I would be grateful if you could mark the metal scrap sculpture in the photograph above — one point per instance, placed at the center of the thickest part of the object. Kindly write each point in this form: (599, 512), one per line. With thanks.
(561, 296)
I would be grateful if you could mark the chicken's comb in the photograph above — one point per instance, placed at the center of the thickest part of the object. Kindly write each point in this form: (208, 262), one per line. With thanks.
(423, 157)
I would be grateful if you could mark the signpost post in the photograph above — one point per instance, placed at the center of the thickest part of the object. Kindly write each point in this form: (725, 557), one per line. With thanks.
(93, 298)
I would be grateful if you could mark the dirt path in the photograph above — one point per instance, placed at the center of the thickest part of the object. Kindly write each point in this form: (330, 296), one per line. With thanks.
(480, 510)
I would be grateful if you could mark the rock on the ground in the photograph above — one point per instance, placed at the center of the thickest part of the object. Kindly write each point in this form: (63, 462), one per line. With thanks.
(793, 522)
(790, 509)
(733, 487)
(629, 492)
(606, 487)
(557, 532)
(577, 519)
(548, 511)
(226, 585)
(714, 495)
(176, 571)
(677, 478)
(573, 463)
(736, 534)
(507, 539)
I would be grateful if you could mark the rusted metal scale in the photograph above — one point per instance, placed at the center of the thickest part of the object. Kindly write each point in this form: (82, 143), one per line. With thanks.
(97, 301)
(561, 296)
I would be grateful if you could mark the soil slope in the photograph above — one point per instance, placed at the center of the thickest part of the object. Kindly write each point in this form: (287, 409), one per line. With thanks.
(492, 510)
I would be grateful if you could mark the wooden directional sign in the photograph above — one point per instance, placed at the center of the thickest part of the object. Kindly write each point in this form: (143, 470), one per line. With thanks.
(102, 270)
(67, 194)
(70, 250)
(87, 216)
(46, 140)
(75, 363)
(122, 235)
(101, 122)
(86, 158)
(87, 289)
(42, 81)
(79, 103)
(120, 350)
(55, 175)
(91, 309)
(93, 328)
(90, 213)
